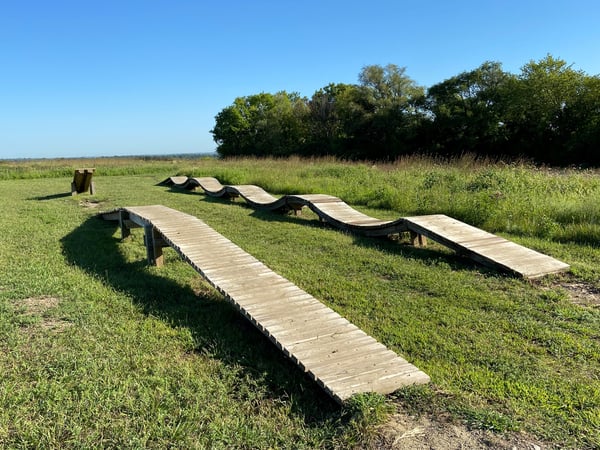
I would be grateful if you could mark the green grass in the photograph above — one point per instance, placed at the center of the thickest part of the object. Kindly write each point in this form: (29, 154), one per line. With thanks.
(134, 356)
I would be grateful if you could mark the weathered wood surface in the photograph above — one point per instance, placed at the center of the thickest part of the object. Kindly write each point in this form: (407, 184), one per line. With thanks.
(485, 248)
(340, 357)
(82, 181)
(481, 246)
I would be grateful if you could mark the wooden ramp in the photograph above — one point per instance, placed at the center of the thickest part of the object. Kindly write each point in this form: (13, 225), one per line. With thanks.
(485, 248)
(339, 356)
(479, 245)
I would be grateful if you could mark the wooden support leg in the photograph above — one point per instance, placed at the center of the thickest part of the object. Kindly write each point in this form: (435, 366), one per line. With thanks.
(73, 188)
(92, 188)
(154, 251)
(123, 217)
(418, 240)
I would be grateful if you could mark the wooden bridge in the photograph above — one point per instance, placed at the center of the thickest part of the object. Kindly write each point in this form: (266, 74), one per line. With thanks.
(483, 247)
(339, 356)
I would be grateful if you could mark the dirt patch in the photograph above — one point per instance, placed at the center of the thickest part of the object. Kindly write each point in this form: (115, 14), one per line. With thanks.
(582, 293)
(90, 203)
(38, 306)
(404, 432)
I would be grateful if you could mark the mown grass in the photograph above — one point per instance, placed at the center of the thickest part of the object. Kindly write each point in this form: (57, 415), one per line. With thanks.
(151, 357)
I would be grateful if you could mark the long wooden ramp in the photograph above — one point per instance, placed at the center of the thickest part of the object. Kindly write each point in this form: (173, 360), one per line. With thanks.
(483, 247)
(340, 357)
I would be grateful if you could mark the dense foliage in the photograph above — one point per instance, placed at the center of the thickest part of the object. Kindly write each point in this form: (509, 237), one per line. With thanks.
(549, 112)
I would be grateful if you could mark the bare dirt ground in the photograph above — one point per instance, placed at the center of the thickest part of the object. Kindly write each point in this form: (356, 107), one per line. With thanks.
(404, 432)
(582, 293)
(90, 203)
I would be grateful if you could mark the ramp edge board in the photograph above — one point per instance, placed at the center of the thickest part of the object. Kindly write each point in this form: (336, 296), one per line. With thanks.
(452, 233)
(342, 359)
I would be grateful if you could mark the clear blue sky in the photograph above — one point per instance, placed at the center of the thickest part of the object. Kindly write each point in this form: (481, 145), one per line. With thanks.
(106, 77)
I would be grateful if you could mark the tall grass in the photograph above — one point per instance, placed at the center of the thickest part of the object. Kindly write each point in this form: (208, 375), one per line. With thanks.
(562, 205)
(522, 199)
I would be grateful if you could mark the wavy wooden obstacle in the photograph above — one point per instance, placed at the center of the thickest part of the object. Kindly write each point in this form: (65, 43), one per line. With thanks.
(340, 357)
(483, 247)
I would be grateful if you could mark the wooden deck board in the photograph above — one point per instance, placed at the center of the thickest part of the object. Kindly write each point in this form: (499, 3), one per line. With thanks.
(306, 329)
(320, 341)
(485, 247)
(299, 342)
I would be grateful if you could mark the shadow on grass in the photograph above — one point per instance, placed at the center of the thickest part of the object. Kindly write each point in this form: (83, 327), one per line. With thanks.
(177, 190)
(52, 196)
(217, 328)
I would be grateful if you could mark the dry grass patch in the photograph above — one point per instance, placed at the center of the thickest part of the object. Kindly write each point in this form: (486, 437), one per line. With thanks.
(37, 307)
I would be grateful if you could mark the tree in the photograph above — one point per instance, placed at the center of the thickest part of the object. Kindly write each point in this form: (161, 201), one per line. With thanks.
(260, 125)
(549, 112)
(467, 111)
(538, 101)
(283, 131)
(582, 118)
(236, 127)
(325, 128)
(379, 115)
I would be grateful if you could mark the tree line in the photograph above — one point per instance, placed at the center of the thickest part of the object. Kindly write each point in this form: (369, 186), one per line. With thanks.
(549, 112)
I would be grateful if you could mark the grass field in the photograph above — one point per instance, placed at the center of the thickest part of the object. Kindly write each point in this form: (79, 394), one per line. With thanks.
(99, 350)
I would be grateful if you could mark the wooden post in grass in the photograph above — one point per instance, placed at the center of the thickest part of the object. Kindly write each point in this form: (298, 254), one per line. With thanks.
(154, 245)
(418, 240)
(123, 223)
(82, 181)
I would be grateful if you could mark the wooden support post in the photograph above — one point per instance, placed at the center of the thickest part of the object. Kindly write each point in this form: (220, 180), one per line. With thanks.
(418, 240)
(123, 218)
(153, 241)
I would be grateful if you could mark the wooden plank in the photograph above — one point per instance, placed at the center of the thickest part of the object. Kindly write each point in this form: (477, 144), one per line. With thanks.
(315, 337)
(250, 301)
(382, 381)
(300, 304)
(304, 331)
(342, 355)
(486, 248)
(303, 339)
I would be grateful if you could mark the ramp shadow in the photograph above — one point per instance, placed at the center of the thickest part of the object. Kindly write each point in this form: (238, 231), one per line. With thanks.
(52, 196)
